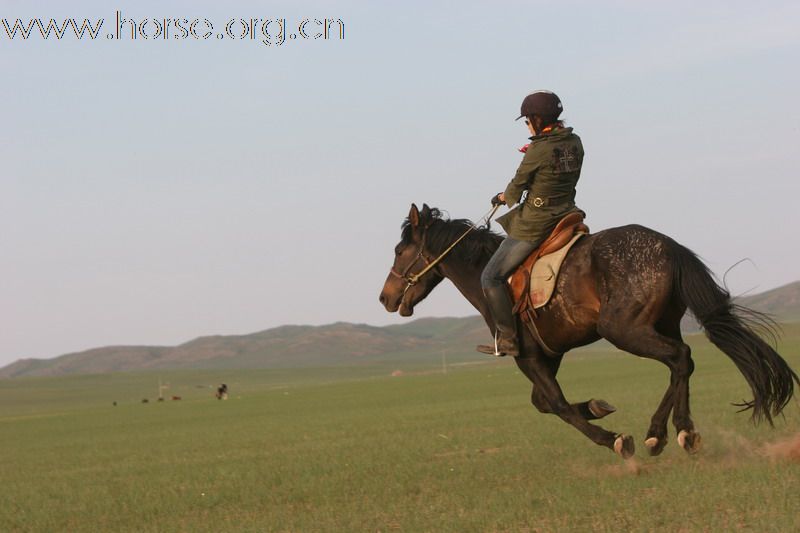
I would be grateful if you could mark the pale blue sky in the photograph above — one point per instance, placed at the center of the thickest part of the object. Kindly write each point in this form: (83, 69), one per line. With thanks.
(153, 191)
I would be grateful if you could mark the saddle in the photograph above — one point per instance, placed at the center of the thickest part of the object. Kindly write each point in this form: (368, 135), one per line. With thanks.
(527, 295)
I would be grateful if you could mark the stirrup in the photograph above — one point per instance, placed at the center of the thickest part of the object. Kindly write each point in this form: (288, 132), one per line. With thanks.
(494, 350)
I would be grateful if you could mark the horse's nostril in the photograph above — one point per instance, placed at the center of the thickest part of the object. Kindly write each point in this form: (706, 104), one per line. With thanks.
(382, 298)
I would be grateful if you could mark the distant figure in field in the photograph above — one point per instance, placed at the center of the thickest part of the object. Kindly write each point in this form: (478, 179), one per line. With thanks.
(222, 392)
(145, 400)
(175, 398)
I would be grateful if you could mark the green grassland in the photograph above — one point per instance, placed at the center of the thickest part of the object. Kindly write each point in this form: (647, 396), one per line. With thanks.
(355, 449)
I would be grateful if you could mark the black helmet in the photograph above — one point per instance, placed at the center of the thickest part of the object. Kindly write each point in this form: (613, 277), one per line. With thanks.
(543, 103)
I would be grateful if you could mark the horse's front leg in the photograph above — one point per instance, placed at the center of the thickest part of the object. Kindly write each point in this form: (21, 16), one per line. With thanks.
(593, 409)
(548, 393)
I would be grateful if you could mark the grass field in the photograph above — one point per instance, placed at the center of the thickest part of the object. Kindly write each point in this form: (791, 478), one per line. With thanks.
(358, 450)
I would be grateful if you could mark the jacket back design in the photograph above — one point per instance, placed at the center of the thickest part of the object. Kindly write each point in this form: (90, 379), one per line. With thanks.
(549, 172)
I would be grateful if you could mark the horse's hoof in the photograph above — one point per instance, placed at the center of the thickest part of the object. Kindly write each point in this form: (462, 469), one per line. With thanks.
(601, 408)
(655, 445)
(624, 447)
(689, 441)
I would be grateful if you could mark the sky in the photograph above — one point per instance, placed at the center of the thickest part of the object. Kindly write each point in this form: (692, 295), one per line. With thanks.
(153, 191)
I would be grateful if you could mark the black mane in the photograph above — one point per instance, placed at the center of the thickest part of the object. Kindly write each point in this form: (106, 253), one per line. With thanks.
(479, 244)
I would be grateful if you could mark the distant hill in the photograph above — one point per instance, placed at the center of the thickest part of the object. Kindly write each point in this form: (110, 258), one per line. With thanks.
(281, 347)
(782, 303)
(334, 344)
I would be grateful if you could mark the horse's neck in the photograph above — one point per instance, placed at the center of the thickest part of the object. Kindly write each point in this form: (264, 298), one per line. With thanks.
(467, 279)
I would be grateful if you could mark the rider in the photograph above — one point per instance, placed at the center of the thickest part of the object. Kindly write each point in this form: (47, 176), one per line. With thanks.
(548, 173)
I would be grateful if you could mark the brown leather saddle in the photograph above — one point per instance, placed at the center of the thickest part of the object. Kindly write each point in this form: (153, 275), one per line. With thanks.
(561, 235)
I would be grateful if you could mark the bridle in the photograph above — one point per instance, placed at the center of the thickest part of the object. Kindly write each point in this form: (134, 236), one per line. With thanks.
(413, 279)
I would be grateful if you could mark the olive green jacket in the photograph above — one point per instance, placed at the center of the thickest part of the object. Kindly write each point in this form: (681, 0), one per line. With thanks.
(549, 172)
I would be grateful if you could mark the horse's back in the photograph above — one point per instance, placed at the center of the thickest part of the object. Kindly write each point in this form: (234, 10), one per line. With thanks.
(626, 267)
(632, 255)
(635, 275)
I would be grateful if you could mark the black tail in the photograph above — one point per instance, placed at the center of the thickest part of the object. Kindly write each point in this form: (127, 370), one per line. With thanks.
(732, 328)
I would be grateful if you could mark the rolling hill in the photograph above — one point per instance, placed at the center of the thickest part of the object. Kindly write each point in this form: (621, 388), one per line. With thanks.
(281, 347)
(782, 303)
(330, 345)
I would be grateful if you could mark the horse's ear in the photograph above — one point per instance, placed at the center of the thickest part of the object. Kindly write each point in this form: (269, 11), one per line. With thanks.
(426, 212)
(413, 216)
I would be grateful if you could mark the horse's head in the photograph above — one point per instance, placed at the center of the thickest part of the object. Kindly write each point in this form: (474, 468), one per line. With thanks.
(402, 292)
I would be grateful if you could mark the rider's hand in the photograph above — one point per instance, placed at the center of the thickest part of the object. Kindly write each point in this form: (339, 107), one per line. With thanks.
(499, 199)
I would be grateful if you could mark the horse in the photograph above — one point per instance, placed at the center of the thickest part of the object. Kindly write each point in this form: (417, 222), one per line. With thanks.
(630, 285)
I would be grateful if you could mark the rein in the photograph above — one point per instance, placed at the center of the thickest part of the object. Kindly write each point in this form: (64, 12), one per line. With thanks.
(413, 279)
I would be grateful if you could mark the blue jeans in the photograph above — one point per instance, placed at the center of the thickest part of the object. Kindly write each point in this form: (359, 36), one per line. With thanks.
(505, 260)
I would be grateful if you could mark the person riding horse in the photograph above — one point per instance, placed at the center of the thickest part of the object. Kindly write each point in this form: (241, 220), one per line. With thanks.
(630, 285)
(548, 173)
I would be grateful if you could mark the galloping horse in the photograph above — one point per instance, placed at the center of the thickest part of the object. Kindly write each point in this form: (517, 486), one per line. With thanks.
(630, 285)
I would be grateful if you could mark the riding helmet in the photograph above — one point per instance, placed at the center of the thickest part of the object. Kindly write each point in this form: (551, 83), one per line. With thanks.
(542, 103)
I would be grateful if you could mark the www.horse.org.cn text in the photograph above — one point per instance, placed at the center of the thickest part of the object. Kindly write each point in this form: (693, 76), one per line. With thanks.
(268, 31)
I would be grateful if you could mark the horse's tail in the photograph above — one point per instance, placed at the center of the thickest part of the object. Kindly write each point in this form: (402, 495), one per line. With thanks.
(732, 328)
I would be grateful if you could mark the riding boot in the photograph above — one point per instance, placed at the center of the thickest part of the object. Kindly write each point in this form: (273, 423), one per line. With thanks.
(505, 323)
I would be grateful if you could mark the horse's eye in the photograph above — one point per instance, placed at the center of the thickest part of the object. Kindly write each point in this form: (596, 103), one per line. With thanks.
(398, 251)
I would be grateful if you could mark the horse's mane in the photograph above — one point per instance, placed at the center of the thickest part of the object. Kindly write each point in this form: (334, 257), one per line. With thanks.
(478, 245)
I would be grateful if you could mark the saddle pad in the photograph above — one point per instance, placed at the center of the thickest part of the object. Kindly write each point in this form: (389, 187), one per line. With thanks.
(545, 273)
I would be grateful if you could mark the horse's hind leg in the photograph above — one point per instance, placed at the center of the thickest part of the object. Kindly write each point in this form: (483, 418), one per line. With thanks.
(657, 433)
(645, 341)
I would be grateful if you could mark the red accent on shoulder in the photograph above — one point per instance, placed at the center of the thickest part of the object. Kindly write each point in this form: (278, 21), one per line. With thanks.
(524, 148)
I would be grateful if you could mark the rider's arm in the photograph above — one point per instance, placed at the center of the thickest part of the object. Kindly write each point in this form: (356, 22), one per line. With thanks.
(531, 162)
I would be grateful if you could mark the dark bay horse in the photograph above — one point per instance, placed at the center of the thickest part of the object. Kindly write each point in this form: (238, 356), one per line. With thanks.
(630, 285)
